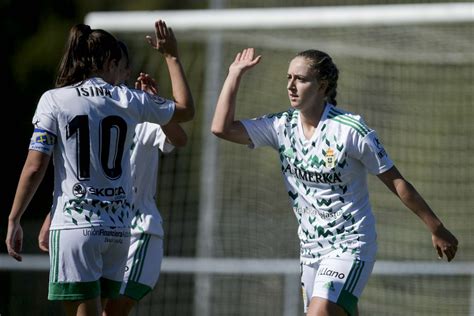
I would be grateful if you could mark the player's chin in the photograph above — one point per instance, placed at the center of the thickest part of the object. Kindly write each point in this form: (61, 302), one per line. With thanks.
(295, 104)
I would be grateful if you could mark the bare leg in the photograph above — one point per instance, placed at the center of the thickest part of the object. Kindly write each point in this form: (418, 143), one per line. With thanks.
(90, 307)
(322, 307)
(119, 307)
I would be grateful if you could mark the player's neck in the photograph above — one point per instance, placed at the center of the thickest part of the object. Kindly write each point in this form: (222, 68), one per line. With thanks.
(312, 115)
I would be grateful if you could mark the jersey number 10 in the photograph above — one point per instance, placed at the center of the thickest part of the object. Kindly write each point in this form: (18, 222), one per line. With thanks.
(109, 126)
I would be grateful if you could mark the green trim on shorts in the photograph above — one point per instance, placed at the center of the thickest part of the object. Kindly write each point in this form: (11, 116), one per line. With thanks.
(136, 290)
(109, 288)
(54, 257)
(139, 257)
(348, 301)
(72, 291)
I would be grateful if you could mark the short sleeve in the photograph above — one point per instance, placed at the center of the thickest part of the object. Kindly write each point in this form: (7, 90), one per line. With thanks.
(156, 109)
(370, 151)
(261, 131)
(44, 135)
(45, 116)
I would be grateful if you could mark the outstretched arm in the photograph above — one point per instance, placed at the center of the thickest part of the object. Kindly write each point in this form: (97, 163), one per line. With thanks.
(443, 241)
(224, 124)
(165, 42)
(31, 176)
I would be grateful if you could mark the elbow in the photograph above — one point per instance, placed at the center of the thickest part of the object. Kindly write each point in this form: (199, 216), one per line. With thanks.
(189, 111)
(184, 111)
(218, 131)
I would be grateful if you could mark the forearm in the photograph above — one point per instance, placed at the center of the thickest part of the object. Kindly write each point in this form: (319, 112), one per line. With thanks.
(29, 182)
(415, 202)
(181, 91)
(224, 115)
(175, 134)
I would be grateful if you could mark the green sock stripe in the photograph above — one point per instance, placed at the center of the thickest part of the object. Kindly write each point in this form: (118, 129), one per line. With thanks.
(142, 258)
(351, 276)
(359, 272)
(136, 257)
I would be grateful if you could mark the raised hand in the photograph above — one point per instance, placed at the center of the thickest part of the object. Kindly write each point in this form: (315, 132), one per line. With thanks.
(164, 40)
(244, 60)
(146, 83)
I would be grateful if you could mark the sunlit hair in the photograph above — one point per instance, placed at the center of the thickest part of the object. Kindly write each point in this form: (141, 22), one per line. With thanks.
(86, 54)
(324, 69)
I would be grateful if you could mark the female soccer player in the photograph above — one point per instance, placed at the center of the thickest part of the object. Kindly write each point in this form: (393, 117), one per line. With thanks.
(87, 124)
(325, 154)
(145, 252)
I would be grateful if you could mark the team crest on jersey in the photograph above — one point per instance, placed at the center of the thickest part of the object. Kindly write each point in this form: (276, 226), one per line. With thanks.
(158, 99)
(78, 190)
(329, 158)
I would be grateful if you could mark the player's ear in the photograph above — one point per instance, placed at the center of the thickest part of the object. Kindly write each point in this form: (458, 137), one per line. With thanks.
(323, 85)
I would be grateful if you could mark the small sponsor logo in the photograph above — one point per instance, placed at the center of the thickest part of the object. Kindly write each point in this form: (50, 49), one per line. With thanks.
(314, 212)
(105, 232)
(331, 273)
(78, 190)
(381, 151)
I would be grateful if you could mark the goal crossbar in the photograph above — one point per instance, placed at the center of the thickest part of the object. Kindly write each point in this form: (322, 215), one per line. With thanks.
(290, 17)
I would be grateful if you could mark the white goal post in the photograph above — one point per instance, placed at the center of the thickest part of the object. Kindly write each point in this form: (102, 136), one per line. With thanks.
(291, 17)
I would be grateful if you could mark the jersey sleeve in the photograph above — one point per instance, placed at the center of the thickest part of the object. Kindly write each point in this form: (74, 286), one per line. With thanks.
(152, 135)
(261, 131)
(370, 151)
(45, 126)
(155, 108)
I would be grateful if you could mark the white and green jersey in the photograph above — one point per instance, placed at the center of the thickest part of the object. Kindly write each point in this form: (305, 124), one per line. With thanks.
(148, 141)
(326, 179)
(89, 129)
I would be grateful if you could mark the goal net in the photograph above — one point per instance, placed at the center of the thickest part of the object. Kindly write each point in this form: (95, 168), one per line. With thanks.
(409, 74)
